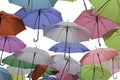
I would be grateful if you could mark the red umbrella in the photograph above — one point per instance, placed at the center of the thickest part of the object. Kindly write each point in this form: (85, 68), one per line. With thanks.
(96, 24)
(10, 24)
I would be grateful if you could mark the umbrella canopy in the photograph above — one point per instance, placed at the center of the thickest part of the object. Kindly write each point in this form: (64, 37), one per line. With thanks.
(65, 75)
(4, 74)
(70, 48)
(39, 70)
(105, 7)
(38, 19)
(93, 72)
(14, 70)
(14, 62)
(49, 78)
(68, 65)
(17, 76)
(113, 64)
(11, 44)
(34, 5)
(96, 24)
(66, 32)
(112, 37)
(98, 55)
(34, 56)
(10, 24)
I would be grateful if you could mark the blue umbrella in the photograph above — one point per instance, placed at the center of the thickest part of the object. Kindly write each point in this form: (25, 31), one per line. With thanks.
(4, 74)
(49, 78)
(34, 4)
(70, 47)
(38, 19)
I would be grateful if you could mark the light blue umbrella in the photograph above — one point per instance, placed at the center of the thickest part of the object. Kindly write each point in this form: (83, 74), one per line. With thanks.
(34, 4)
(70, 47)
(4, 74)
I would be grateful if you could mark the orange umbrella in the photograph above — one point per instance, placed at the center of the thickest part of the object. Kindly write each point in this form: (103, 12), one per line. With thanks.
(39, 70)
(10, 24)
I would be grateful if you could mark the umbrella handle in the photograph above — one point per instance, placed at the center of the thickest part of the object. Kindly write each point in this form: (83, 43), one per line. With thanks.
(35, 40)
(2, 64)
(114, 77)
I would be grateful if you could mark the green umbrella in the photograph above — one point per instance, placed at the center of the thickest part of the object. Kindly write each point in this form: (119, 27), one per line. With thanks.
(108, 8)
(13, 61)
(112, 38)
(50, 71)
(94, 72)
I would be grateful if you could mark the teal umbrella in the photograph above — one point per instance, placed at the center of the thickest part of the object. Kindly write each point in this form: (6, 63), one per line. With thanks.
(4, 74)
(34, 4)
(94, 72)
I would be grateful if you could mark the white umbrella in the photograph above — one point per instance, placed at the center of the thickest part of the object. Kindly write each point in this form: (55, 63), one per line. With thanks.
(14, 70)
(34, 56)
(72, 66)
(66, 32)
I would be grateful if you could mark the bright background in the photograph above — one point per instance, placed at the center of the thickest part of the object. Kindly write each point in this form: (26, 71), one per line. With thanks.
(69, 10)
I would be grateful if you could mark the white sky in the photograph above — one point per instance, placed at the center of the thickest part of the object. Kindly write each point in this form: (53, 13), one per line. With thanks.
(69, 10)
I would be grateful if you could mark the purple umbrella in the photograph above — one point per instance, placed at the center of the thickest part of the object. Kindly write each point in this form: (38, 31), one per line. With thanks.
(38, 19)
(10, 44)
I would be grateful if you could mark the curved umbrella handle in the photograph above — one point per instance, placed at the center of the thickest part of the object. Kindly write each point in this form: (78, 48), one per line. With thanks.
(2, 64)
(114, 77)
(35, 40)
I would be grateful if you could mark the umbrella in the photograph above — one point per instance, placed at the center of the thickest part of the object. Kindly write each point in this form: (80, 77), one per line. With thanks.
(49, 78)
(93, 72)
(66, 32)
(4, 74)
(34, 56)
(38, 19)
(108, 8)
(14, 70)
(65, 75)
(70, 48)
(10, 24)
(17, 76)
(43, 70)
(38, 71)
(34, 5)
(98, 55)
(14, 62)
(112, 37)
(96, 24)
(68, 65)
(10, 44)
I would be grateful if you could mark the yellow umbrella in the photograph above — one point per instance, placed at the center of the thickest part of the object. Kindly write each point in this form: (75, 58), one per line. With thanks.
(18, 76)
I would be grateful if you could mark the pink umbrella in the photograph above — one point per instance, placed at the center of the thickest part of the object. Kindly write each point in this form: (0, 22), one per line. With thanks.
(65, 76)
(98, 55)
(10, 44)
(96, 24)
